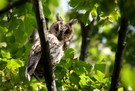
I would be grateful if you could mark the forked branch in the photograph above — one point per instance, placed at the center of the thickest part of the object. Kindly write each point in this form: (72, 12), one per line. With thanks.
(86, 36)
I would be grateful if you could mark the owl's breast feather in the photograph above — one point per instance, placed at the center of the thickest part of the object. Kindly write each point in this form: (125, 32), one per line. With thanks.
(56, 49)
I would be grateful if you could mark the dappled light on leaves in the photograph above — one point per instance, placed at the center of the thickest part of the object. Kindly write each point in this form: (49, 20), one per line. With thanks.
(72, 74)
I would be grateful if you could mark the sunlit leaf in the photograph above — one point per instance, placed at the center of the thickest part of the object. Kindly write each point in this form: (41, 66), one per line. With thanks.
(3, 29)
(84, 79)
(94, 12)
(54, 2)
(3, 4)
(99, 75)
(14, 64)
(121, 89)
(5, 54)
(128, 77)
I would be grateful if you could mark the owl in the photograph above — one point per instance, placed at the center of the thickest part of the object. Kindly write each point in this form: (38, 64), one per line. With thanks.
(59, 37)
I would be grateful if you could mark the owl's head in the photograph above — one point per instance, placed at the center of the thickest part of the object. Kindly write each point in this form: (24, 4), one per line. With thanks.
(62, 30)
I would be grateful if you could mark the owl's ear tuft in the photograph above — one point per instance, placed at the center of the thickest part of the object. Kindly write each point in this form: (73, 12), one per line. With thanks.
(58, 17)
(73, 21)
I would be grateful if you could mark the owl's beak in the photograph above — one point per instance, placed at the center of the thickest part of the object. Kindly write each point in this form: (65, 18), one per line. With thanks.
(58, 33)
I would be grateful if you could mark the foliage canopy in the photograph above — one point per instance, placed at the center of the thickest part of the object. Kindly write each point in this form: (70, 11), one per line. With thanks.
(72, 74)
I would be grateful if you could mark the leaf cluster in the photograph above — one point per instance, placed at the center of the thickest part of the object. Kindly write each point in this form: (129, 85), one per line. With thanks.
(75, 75)
(72, 74)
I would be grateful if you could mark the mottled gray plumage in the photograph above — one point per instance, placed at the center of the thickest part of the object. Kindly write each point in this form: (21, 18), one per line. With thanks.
(59, 37)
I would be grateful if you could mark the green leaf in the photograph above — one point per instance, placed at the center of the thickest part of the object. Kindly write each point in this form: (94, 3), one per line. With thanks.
(29, 23)
(128, 76)
(84, 79)
(2, 64)
(127, 9)
(69, 53)
(94, 12)
(66, 63)
(99, 76)
(47, 11)
(22, 74)
(23, 9)
(10, 37)
(82, 4)
(2, 37)
(121, 89)
(74, 3)
(101, 66)
(20, 52)
(60, 73)
(13, 24)
(14, 77)
(14, 64)
(5, 54)
(81, 67)
(3, 29)
(107, 6)
(3, 4)
(54, 2)
(20, 34)
(74, 78)
(27, 51)
(85, 17)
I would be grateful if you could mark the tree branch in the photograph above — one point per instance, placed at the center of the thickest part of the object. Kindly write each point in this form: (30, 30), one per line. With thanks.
(45, 58)
(86, 34)
(12, 5)
(119, 53)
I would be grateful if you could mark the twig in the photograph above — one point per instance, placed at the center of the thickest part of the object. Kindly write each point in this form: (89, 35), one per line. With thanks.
(86, 35)
(49, 75)
(119, 53)
(12, 5)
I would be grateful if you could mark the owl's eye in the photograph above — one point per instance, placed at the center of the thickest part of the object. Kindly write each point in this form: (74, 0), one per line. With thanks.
(67, 31)
(56, 29)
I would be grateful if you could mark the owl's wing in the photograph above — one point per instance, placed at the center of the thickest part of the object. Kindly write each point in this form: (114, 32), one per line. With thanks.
(34, 57)
(34, 63)
(56, 49)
